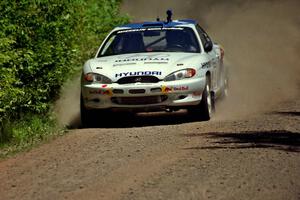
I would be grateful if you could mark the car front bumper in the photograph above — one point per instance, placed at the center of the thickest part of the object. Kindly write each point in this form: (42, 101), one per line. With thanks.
(181, 93)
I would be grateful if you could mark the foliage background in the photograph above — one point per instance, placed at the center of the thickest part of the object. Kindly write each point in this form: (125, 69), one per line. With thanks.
(42, 42)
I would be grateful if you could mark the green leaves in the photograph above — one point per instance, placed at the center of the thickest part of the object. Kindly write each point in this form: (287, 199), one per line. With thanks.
(29, 36)
(42, 43)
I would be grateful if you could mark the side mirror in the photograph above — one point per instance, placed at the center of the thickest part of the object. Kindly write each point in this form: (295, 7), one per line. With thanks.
(208, 46)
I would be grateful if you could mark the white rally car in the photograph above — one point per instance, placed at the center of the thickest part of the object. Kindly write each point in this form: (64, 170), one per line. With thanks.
(154, 66)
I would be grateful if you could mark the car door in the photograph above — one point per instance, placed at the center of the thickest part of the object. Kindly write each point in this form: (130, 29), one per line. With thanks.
(212, 55)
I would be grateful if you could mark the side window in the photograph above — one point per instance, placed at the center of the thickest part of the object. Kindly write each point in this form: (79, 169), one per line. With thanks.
(203, 35)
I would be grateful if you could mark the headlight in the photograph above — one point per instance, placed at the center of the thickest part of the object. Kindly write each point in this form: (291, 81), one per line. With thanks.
(181, 74)
(98, 78)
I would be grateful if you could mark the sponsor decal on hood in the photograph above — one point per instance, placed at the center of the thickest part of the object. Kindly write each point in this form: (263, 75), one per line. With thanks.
(138, 73)
(145, 58)
(141, 59)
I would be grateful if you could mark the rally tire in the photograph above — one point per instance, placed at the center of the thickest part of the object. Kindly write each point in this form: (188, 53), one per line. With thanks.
(205, 109)
(207, 105)
(85, 115)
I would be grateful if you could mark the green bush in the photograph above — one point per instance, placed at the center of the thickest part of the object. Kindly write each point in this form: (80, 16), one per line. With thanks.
(31, 130)
(42, 43)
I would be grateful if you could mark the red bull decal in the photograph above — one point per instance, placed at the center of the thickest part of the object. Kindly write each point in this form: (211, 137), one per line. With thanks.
(166, 89)
(101, 92)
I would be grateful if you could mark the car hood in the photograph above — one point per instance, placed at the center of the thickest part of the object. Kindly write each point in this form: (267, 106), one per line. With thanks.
(143, 64)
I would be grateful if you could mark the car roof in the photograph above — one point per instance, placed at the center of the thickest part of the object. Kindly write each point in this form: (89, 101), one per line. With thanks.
(185, 22)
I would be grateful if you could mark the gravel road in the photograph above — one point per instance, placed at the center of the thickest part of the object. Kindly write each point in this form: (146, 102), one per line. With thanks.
(249, 150)
(166, 156)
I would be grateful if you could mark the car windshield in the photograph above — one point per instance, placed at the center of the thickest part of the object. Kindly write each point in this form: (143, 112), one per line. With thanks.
(177, 39)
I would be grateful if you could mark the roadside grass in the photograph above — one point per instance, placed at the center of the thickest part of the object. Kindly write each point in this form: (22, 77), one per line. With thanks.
(27, 132)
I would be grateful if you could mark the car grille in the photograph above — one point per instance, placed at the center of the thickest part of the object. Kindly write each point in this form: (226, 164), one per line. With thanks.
(139, 100)
(137, 91)
(138, 79)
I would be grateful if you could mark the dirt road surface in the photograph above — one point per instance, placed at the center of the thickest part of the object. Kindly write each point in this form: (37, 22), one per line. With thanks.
(249, 150)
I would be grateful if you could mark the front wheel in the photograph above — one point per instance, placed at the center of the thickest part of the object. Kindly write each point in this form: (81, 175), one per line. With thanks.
(206, 107)
(85, 115)
(92, 118)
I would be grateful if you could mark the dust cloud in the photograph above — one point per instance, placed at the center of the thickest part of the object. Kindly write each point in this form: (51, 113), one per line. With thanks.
(261, 41)
(67, 108)
(262, 44)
